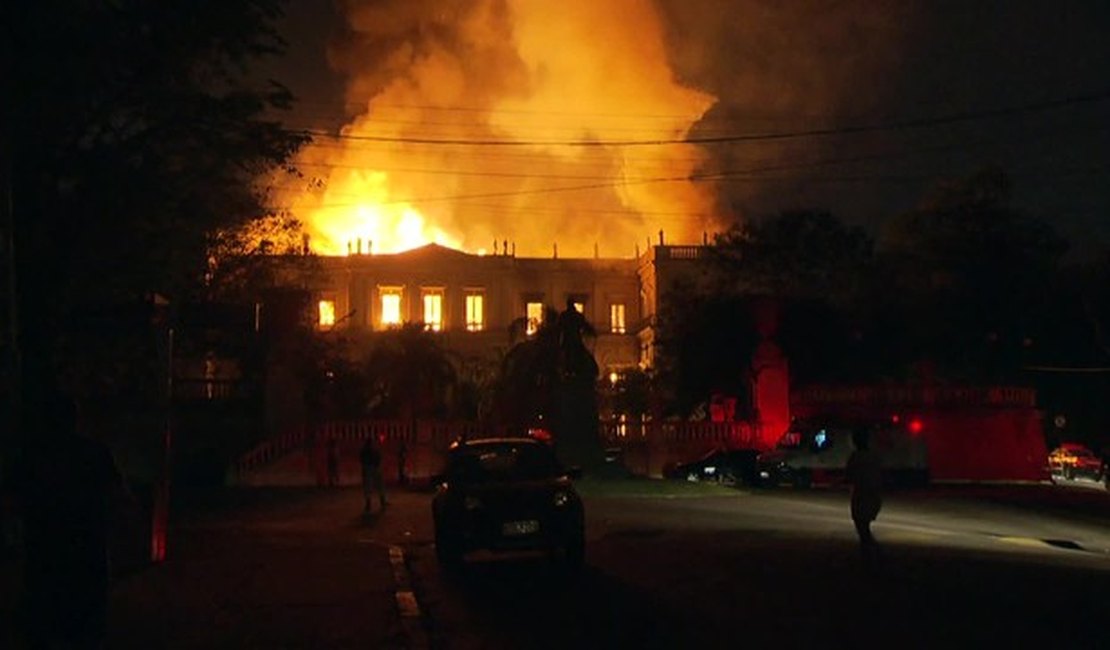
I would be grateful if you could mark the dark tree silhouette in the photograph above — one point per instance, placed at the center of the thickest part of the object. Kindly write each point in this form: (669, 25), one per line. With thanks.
(410, 374)
(132, 135)
(968, 278)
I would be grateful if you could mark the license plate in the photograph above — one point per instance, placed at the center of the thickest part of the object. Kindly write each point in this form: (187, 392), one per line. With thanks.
(526, 527)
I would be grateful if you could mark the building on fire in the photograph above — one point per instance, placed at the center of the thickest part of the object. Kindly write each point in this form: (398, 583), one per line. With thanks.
(472, 300)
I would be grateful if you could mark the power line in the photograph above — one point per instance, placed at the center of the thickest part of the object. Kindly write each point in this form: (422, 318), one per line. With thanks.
(896, 125)
(748, 175)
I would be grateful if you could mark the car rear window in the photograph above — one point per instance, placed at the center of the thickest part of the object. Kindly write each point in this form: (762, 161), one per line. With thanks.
(503, 463)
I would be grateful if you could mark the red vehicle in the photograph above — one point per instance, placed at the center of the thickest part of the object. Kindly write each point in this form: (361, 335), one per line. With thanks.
(1072, 460)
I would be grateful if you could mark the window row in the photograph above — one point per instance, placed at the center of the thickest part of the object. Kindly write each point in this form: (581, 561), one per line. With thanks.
(390, 301)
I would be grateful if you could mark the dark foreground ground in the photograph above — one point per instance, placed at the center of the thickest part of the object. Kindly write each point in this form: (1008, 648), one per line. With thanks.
(668, 567)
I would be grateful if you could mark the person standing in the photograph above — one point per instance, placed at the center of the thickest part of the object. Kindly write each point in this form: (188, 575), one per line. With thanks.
(370, 458)
(402, 456)
(864, 474)
(65, 489)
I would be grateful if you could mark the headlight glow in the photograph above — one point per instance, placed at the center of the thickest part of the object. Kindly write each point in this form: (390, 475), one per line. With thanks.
(561, 499)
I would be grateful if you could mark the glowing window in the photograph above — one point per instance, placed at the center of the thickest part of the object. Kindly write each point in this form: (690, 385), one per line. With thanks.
(475, 312)
(391, 307)
(616, 318)
(325, 310)
(580, 307)
(433, 311)
(534, 312)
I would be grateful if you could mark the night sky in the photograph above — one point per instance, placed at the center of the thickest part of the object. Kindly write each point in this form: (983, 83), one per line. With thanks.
(827, 65)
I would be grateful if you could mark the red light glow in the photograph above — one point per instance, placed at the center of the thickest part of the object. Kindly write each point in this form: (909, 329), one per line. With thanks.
(916, 426)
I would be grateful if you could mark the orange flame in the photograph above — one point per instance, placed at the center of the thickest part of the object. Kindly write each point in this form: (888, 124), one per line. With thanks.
(541, 100)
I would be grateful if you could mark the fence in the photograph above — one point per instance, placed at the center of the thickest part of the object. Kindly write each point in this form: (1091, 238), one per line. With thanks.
(414, 450)
(647, 447)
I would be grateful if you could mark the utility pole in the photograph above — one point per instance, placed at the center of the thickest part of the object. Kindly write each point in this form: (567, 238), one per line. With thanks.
(13, 364)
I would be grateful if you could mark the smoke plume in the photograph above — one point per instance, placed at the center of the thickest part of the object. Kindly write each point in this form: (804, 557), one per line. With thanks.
(565, 120)
(534, 94)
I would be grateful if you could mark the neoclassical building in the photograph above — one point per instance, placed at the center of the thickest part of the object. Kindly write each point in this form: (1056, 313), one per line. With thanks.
(471, 300)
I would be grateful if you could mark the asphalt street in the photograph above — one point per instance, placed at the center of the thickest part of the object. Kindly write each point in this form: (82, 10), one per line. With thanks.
(667, 566)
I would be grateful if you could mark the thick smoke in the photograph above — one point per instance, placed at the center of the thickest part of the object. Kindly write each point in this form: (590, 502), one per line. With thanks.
(558, 79)
(788, 67)
(565, 80)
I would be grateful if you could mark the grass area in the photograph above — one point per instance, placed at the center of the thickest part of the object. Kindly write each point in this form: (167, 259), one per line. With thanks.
(648, 487)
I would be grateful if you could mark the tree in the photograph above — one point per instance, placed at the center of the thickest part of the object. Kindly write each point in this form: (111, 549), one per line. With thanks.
(795, 255)
(968, 278)
(812, 266)
(705, 342)
(133, 135)
(410, 374)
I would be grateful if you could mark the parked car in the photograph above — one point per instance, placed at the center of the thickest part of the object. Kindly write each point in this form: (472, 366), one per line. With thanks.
(1072, 460)
(724, 466)
(507, 494)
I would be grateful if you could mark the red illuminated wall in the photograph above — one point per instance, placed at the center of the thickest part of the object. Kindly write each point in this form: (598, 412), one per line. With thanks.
(976, 433)
(986, 444)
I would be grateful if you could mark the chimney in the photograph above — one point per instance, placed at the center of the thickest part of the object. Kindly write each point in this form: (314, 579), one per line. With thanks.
(505, 247)
(514, 249)
(358, 247)
(304, 244)
(369, 246)
(555, 251)
(660, 236)
(495, 246)
(595, 251)
(704, 238)
(637, 251)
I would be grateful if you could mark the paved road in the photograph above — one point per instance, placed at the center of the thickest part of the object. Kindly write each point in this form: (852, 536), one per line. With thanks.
(962, 566)
(1020, 565)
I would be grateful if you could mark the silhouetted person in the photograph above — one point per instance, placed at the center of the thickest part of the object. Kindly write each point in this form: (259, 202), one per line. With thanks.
(333, 462)
(65, 487)
(864, 473)
(370, 457)
(402, 455)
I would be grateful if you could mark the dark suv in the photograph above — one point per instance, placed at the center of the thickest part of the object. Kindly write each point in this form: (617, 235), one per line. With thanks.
(506, 494)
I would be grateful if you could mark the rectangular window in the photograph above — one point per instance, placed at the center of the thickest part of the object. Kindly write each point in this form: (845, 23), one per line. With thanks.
(433, 310)
(391, 307)
(325, 314)
(534, 313)
(616, 318)
(475, 312)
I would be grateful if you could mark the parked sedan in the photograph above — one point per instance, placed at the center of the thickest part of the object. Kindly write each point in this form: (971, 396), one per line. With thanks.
(724, 466)
(506, 494)
(1071, 460)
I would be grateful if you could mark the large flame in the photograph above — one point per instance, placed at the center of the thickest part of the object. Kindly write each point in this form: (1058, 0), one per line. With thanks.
(542, 99)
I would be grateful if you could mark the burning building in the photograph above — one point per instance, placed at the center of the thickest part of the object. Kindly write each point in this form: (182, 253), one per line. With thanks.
(472, 300)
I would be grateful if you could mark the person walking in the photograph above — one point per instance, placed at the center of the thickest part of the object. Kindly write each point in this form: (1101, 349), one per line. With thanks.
(370, 458)
(864, 474)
